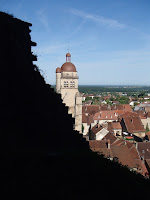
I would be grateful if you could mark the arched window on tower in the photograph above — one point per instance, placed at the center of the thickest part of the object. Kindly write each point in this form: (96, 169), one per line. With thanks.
(72, 84)
(66, 84)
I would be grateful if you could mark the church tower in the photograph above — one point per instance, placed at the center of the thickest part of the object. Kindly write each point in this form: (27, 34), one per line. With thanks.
(67, 86)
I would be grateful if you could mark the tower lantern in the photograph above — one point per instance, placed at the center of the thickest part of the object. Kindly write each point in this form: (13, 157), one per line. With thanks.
(68, 57)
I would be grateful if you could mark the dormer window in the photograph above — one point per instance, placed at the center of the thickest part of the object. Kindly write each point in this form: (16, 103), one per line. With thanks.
(143, 151)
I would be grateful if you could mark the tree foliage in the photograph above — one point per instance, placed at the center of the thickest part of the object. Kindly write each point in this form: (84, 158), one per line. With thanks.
(147, 128)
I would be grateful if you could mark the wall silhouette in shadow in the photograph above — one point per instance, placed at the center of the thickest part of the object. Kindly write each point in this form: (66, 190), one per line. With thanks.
(41, 154)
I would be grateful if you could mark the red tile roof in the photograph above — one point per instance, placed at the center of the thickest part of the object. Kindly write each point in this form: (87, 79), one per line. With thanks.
(96, 128)
(133, 124)
(110, 137)
(148, 162)
(118, 142)
(125, 151)
(105, 115)
(141, 114)
(100, 146)
(134, 151)
(87, 119)
(141, 167)
(128, 114)
(97, 144)
(91, 109)
(124, 155)
(125, 107)
(144, 149)
(119, 109)
(114, 125)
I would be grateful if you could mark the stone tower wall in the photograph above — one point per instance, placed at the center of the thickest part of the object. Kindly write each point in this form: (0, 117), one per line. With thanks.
(78, 113)
(58, 82)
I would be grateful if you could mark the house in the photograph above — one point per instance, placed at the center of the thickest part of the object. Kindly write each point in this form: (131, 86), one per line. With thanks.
(133, 125)
(146, 119)
(101, 147)
(90, 109)
(143, 106)
(84, 96)
(106, 97)
(110, 137)
(87, 122)
(147, 97)
(86, 103)
(115, 102)
(127, 114)
(97, 132)
(115, 128)
(124, 156)
(131, 103)
(120, 151)
(124, 107)
(105, 116)
(144, 150)
(147, 136)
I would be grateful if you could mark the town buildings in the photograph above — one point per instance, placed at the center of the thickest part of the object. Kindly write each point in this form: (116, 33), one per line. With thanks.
(116, 131)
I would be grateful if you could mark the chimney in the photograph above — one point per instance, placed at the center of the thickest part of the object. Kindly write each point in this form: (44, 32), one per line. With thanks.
(108, 144)
(97, 126)
(142, 158)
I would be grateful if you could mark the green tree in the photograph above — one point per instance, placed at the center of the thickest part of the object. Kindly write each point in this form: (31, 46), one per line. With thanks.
(124, 100)
(147, 128)
(141, 94)
(112, 99)
(88, 98)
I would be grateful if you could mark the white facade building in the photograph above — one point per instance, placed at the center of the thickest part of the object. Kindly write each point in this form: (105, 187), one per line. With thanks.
(67, 86)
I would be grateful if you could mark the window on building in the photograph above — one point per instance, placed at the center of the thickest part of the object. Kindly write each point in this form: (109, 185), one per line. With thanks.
(72, 84)
(66, 84)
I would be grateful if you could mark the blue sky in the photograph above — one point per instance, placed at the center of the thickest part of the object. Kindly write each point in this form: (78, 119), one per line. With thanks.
(109, 40)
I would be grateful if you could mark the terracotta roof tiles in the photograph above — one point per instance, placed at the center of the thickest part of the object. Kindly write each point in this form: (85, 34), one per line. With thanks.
(144, 149)
(110, 137)
(123, 154)
(87, 119)
(96, 128)
(133, 124)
